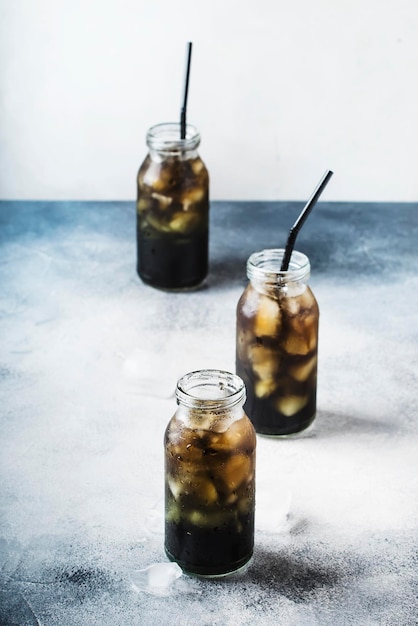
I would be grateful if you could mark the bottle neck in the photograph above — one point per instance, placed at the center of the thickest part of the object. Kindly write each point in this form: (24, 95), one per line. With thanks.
(263, 270)
(164, 140)
(210, 391)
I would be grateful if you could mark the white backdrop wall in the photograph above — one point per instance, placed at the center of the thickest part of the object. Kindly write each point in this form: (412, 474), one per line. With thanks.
(280, 89)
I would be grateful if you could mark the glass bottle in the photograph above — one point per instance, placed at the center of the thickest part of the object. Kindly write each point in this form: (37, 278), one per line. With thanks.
(277, 343)
(210, 476)
(172, 210)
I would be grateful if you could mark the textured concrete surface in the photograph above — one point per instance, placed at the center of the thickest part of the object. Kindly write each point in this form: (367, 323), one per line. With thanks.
(89, 361)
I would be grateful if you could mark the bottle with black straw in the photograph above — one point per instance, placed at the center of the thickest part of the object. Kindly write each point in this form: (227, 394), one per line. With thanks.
(173, 205)
(277, 335)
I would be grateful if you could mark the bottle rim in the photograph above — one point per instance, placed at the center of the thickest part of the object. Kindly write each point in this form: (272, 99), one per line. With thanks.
(210, 389)
(265, 266)
(166, 137)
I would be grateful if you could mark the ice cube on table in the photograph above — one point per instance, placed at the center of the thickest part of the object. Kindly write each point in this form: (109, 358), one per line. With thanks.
(272, 508)
(156, 579)
(154, 522)
(147, 373)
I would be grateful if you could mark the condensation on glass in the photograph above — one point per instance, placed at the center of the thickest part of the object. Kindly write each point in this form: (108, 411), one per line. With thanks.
(172, 210)
(277, 343)
(210, 476)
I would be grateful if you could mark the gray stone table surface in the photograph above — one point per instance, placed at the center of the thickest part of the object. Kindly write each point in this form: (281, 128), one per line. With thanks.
(89, 361)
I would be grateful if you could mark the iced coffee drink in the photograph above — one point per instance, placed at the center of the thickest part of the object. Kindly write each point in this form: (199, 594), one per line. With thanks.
(277, 343)
(210, 476)
(172, 210)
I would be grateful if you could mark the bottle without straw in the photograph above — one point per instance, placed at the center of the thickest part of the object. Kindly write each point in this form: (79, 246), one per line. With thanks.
(172, 210)
(277, 343)
(210, 476)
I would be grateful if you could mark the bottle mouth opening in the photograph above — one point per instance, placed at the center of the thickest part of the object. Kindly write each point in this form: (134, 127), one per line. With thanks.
(167, 137)
(210, 389)
(265, 266)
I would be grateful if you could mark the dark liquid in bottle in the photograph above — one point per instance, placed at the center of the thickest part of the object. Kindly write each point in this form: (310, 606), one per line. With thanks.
(267, 419)
(173, 223)
(172, 262)
(209, 497)
(277, 359)
(209, 551)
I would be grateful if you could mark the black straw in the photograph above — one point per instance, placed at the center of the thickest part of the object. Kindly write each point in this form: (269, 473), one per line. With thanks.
(294, 231)
(186, 91)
